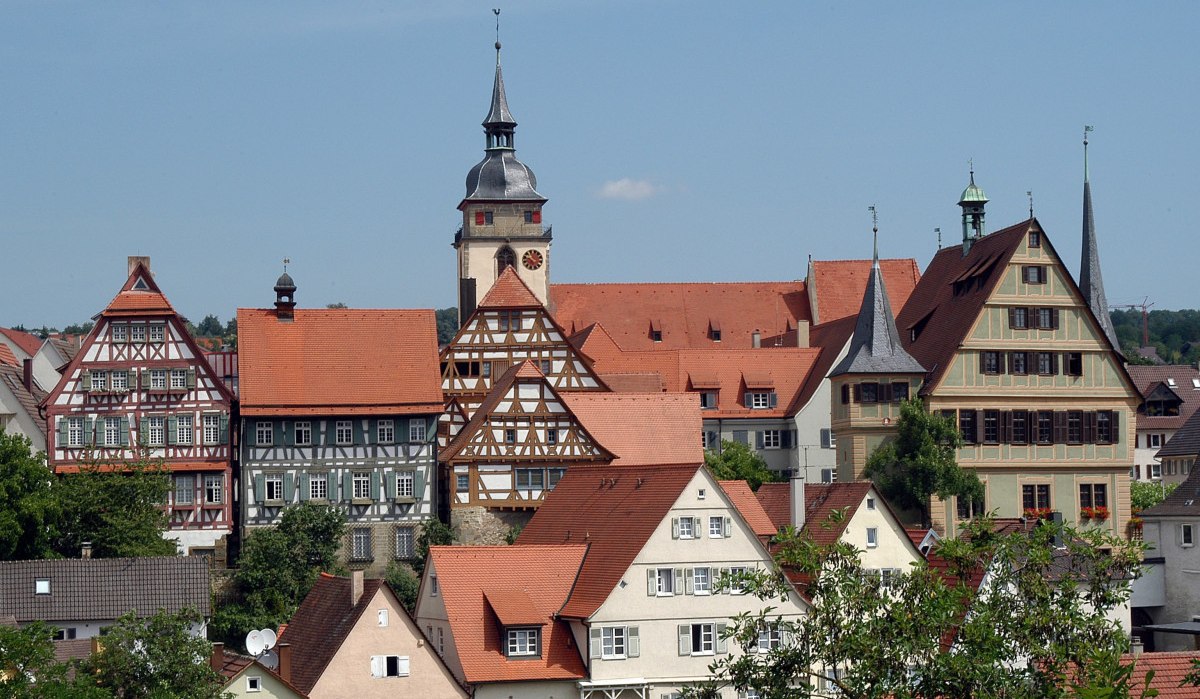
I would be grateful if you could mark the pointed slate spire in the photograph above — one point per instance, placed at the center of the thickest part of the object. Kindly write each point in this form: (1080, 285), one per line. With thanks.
(499, 115)
(875, 347)
(1091, 284)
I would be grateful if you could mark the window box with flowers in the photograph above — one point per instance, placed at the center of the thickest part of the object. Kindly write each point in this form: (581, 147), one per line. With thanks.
(1037, 513)
(1099, 513)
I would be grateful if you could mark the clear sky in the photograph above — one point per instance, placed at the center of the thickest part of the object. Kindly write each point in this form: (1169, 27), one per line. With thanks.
(676, 141)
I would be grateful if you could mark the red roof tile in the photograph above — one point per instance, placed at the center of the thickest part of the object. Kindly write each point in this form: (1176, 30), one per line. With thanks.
(820, 500)
(1147, 378)
(14, 378)
(7, 356)
(139, 295)
(26, 342)
(471, 579)
(321, 624)
(642, 429)
(582, 509)
(751, 510)
(514, 608)
(348, 361)
(509, 291)
(838, 285)
(1169, 670)
(686, 312)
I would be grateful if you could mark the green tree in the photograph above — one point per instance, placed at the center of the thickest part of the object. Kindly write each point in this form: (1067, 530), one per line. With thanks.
(405, 583)
(738, 462)
(447, 324)
(118, 508)
(433, 533)
(209, 327)
(155, 657)
(27, 658)
(1146, 494)
(339, 304)
(1039, 626)
(79, 328)
(920, 462)
(29, 509)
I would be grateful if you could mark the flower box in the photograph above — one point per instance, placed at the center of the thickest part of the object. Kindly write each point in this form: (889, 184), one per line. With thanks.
(1097, 513)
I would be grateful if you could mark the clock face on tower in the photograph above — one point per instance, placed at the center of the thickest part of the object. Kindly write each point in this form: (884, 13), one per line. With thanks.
(532, 259)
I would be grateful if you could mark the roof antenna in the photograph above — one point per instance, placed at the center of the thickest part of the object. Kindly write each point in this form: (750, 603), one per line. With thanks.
(971, 166)
(939, 236)
(1029, 193)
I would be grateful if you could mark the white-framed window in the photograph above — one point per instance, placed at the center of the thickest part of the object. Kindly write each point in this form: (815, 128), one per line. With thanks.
(214, 489)
(99, 380)
(120, 380)
(1153, 440)
(771, 439)
(531, 478)
(701, 639)
(1187, 535)
(318, 486)
(769, 638)
(212, 429)
(385, 432)
(158, 332)
(303, 433)
(687, 527)
(360, 543)
(157, 428)
(74, 432)
(389, 666)
(716, 527)
(120, 332)
(344, 432)
(736, 586)
(702, 581)
(274, 487)
(1155, 471)
(664, 581)
(137, 332)
(758, 401)
(183, 429)
(158, 379)
(522, 642)
(612, 642)
(405, 543)
(253, 684)
(708, 400)
(112, 431)
(41, 586)
(361, 482)
(264, 434)
(185, 490)
(870, 503)
(872, 537)
(416, 431)
(405, 484)
(179, 378)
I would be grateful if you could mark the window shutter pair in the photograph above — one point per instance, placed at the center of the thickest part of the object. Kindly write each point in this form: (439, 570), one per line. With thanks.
(124, 431)
(172, 430)
(289, 486)
(260, 488)
(304, 487)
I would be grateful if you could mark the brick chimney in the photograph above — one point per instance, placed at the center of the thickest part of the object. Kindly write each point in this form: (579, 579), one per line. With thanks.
(217, 660)
(134, 260)
(285, 661)
(356, 587)
(27, 378)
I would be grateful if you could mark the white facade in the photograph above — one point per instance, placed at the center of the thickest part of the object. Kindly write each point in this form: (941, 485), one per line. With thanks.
(1175, 580)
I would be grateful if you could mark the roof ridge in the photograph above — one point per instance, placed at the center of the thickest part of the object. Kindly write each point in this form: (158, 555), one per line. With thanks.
(794, 281)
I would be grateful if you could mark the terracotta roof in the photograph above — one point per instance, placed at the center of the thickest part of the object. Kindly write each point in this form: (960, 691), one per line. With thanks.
(104, 588)
(1169, 670)
(1149, 378)
(347, 361)
(509, 291)
(140, 295)
(7, 356)
(582, 509)
(643, 429)
(751, 510)
(1185, 442)
(685, 311)
(1184, 501)
(26, 342)
(72, 649)
(321, 624)
(838, 285)
(633, 383)
(14, 378)
(233, 663)
(820, 500)
(475, 579)
(829, 338)
(776, 502)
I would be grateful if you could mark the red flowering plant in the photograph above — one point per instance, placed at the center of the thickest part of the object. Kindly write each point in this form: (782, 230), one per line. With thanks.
(1099, 512)
(1037, 513)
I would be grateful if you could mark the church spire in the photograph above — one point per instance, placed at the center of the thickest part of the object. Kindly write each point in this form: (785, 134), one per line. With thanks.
(499, 123)
(1091, 284)
(875, 347)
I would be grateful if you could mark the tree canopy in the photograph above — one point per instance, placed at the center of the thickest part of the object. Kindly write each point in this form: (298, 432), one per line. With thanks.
(738, 462)
(447, 324)
(921, 462)
(30, 512)
(119, 511)
(1146, 494)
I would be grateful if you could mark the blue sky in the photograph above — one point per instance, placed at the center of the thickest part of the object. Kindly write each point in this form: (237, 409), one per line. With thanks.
(676, 141)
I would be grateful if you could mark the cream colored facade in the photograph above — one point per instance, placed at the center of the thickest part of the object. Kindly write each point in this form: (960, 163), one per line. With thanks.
(481, 243)
(862, 427)
(385, 629)
(892, 549)
(256, 683)
(660, 667)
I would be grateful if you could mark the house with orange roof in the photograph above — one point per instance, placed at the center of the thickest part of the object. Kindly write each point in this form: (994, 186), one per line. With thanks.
(140, 388)
(1170, 397)
(500, 633)
(351, 637)
(20, 396)
(658, 583)
(340, 407)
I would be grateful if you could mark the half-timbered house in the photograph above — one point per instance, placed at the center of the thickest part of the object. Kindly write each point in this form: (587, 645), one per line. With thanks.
(340, 407)
(139, 388)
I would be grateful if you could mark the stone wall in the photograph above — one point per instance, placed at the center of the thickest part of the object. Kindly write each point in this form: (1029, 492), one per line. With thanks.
(479, 526)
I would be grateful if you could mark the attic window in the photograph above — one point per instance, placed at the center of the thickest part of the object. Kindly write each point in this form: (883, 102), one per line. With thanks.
(656, 330)
(41, 586)
(141, 285)
(1195, 383)
(1035, 239)
(714, 330)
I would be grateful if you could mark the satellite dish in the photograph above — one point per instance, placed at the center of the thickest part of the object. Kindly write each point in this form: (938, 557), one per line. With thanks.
(255, 643)
(269, 638)
(270, 659)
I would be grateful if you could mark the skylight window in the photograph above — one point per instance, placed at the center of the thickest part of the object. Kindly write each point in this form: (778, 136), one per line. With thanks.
(1171, 382)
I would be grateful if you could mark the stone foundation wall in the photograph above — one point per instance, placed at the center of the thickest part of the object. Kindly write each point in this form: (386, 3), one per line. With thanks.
(480, 526)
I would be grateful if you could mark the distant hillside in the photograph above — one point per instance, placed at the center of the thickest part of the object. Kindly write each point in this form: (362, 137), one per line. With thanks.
(1174, 334)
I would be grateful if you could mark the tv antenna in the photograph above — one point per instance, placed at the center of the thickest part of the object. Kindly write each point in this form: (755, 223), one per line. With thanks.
(261, 645)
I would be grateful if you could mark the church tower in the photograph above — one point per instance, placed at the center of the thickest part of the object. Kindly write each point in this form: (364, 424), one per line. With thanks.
(502, 215)
(1091, 284)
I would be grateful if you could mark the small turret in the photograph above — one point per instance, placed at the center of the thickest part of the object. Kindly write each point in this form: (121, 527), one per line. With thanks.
(972, 202)
(285, 296)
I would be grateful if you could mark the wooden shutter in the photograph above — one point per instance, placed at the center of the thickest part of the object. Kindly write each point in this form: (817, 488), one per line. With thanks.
(884, 393)
(1060, 427)
(689, 581)
(1005, 427)
(191, 377)
(374, 487)
(845, 393)
(652, 582)
(124, 427)
(1054, 319)
(377, 665)
(64, 425)
(277, 433)
(287, 432)
(758, 439)
(260, 487)
(360, 433)
(305, 490)
(785, 439)
(633, 642)
(223, 422)
(172, 430)
(594, 642)
(685, 639)
(722, 643)
(85, 380)
(741, 436)
(347, 485)
(1089, 427)
(289, 487)
(679, 583)
(857, 393)
(774, 398)
(1114, 426)
(1012, 317)
(419, 484)
(387, 483)
(331, 486)
(977, 438)
(674, 527)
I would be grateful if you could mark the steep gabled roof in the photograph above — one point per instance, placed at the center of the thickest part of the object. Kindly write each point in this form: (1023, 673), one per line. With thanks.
(875, 347)
(321, 624)
(1186, 441)
(524, 584)
(7, 358)
(820, 500)
(1184, 501)
(26, 342)
(750, 508)
(837, 286)
(641, 428)
(1147, 378)
(139, 295)
(345, 361)
(14, 378)
(614, 512)
(829, 338)
(509, 291)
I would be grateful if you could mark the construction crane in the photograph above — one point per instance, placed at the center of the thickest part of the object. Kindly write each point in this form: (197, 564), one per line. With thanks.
(1145, 306)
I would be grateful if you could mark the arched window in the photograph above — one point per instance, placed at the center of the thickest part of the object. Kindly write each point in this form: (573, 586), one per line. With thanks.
(505, 258)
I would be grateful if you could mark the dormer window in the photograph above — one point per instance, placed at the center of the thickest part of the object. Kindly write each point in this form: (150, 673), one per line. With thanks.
(523, 643)
(708, 400)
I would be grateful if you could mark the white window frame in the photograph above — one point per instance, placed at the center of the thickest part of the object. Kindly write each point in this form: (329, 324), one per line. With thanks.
(186, 486)
(344, 433)
(1153, 440)
(112, 431)
(99, 380)
(214, 489)
(1155, 472)
(531, 478)
(406, 484)
(702, 580)
(318, 486)
(178, 378)
(613, 642)
(416, 431)
(212, 428)
(253, 684)
(158, 379)
(183, 429)
(872, 537)
(385, 432)
(303, 430)
(137, 332)
(709, 400)
(156, 428)
(772, 439)
(264, 434)
(716, 527)
(707, 639)
(158, 332)
(737, 587)
(360, 483)
(120, 380)
(74, 431)
(870, 503)
(758, 401)
(273, 487)
(770, 637)
(687, 527)
(665, 582)
(522, 642)
(385, 666)
(120, 332)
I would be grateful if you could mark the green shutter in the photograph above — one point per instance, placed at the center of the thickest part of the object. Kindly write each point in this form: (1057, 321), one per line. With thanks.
(144, 431)
(64, 425)
(347, 485)
(374, 487)
(359, 432)
(276, 433)
(124, 431)
(89, 430)
(304, 489)
(419, 485)
(289, 486)
(191, 377)
(172, 429)
(260, 487)
(85, 380)
(331, 486)
(288, 430)
(224, 426)
(389, 480)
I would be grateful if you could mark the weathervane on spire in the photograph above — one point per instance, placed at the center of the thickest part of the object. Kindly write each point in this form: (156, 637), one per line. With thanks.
(971, 167)
(939, 237)
(875, 228)
(1086, 130)
(1029, 193)
(286, 261)
(496, 11)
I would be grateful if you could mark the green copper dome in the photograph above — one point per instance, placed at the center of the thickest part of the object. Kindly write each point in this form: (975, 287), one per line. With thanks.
(973, 194)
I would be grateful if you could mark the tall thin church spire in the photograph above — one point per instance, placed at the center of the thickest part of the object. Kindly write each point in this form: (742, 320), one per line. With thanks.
(1091, 284)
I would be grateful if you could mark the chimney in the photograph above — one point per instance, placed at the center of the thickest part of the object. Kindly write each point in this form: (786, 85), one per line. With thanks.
(797, 495)
(802, 333)
(356, 587)
(217, 659)
(85, 551)
(135, 260)
(27, 378)
(285, 661)
(756, 339)
(1135, 646)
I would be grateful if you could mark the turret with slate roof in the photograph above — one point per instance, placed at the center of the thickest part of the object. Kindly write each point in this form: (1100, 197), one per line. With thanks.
(1091, 284)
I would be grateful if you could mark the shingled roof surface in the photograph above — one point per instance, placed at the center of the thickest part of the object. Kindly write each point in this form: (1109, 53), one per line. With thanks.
(838, 285)
(14, 378)
(524, 582)
(105, 588)
(1169, 668)
(7, 357)
(1184, 501)
(641, 428)
(1147, 378)
(583, 509)
(321, 624)
(26, 342)
(146, 299)
(345, 361)
(509, 291)
(750, 508)
(1185, 442)
(820, 500)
